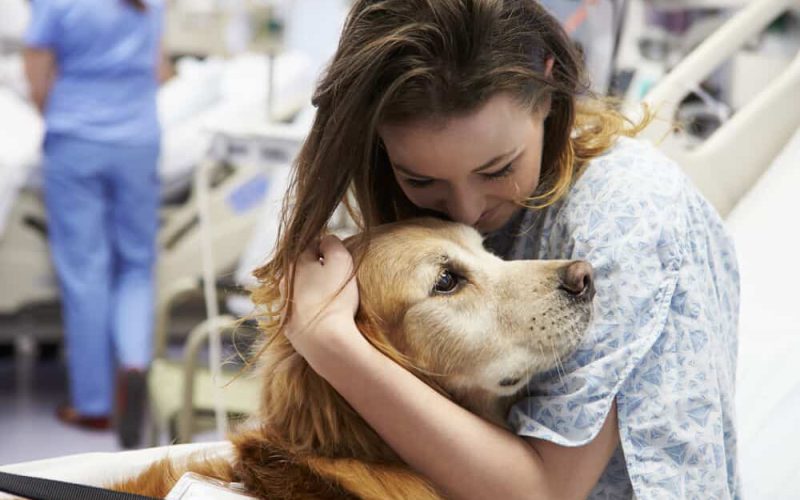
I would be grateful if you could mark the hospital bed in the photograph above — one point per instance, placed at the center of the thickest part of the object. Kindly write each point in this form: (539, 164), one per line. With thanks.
(760, 210)
(752, 138)
(236, 177)
(182, 390)
(192, 108)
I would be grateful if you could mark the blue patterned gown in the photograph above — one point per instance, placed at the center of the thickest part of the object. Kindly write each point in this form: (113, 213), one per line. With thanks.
(663, 340)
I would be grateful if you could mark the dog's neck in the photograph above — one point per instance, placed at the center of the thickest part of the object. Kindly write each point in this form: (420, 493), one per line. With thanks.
(483, 403)
(305, 414)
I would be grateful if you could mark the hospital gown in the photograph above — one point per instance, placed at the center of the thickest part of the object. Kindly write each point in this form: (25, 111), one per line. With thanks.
(663, 339)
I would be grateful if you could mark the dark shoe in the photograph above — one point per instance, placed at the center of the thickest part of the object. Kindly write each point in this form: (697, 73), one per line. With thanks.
(66, 414)
(131, 394)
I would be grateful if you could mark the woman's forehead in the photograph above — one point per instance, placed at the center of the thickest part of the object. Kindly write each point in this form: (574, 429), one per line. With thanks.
(500, 126)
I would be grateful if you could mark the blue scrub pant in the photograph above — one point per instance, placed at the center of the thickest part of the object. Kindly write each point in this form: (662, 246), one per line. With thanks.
(102, 208)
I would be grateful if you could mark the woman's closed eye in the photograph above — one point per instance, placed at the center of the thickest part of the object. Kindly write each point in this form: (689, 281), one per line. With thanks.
(418, 183)
(503, 172)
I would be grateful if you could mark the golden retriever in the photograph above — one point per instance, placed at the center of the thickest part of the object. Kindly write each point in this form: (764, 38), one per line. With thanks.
(472, 326)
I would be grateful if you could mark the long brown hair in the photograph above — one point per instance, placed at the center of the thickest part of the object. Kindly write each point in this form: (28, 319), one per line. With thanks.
(409, 59)
(137, 4)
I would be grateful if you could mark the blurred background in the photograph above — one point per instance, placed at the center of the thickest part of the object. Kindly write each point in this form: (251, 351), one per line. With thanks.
(234, 107)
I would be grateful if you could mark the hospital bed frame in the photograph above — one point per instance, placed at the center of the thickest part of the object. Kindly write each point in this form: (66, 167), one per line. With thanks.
(727, 164)
(181, 389)
(28, 278)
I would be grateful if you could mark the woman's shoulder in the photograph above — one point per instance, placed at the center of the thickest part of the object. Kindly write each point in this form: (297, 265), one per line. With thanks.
(632, 180)
(633, 170)
(632, 197)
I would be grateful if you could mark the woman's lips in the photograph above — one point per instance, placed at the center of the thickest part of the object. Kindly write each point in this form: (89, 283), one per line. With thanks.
(485, 216)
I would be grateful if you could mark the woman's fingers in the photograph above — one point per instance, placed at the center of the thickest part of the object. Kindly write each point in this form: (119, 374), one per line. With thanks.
(324, 294)
(329, 248)
(321, 271)
(333, 251)
(310, 254)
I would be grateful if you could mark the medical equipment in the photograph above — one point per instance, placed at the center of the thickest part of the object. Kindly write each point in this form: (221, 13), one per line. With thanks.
(595, 26)
(273, 146)
(181, 390)
(752, 138)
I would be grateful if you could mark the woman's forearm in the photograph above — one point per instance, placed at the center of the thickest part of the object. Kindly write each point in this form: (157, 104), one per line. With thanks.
(464, 455)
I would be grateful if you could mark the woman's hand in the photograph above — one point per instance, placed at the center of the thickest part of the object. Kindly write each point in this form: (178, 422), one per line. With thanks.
(320, 319)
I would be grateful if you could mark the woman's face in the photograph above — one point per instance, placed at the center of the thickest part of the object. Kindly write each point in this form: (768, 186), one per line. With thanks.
(472, 168)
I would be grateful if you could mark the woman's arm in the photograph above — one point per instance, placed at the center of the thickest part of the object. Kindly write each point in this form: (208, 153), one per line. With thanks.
(164, 66)
(40, 69)
(464, 455)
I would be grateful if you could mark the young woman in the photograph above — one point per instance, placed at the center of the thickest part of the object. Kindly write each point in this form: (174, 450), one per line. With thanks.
(476, 111)
(93, 68)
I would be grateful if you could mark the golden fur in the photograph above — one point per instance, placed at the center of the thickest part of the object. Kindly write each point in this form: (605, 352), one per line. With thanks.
(477, 345)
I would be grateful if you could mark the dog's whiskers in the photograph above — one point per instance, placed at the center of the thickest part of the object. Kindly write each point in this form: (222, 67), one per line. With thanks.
(559, 367)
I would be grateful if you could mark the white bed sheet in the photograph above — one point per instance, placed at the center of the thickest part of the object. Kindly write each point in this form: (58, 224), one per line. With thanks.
(765, 225)
(20, 141)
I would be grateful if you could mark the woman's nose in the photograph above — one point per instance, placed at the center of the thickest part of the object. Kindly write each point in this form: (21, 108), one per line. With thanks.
(464, 207)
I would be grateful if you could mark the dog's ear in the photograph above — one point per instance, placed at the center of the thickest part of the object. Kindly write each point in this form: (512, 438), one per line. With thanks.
(377, 335)
(369, 324)
(376, 332)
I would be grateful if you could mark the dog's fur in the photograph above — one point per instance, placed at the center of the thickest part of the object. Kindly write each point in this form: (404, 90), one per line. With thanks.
(478, 344)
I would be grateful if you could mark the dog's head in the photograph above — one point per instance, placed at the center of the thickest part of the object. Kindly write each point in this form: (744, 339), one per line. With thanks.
(465, 317)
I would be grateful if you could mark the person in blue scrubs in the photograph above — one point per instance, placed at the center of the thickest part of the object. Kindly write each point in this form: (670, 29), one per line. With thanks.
(93, 68)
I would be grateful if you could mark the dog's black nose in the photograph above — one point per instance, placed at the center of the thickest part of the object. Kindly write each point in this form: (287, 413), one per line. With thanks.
(576, 279)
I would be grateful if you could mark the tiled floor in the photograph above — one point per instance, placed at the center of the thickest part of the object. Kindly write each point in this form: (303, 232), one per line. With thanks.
(30, 389)
(32, 384)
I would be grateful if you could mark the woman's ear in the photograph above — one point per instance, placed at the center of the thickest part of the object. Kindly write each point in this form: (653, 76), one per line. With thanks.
(548, 67)
(543, 107)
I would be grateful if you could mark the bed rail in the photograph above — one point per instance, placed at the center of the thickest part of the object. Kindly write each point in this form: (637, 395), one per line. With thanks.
(727, 164)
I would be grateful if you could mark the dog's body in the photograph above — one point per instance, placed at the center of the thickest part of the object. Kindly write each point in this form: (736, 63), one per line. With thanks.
(470, 325)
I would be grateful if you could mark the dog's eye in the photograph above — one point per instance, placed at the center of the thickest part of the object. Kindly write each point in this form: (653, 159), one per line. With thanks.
(446, 282)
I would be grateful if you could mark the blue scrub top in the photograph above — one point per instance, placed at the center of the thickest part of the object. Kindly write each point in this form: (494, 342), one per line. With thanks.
(107, 61)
